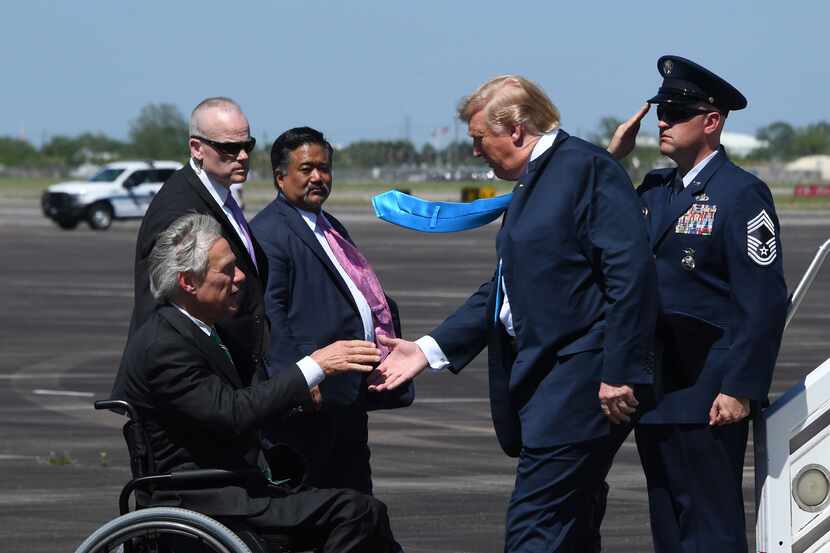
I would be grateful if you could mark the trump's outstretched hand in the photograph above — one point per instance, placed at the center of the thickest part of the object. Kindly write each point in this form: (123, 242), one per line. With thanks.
(625, 137)
(404, 362)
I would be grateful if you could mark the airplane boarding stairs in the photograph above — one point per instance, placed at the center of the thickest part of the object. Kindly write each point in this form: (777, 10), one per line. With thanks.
(792, 456)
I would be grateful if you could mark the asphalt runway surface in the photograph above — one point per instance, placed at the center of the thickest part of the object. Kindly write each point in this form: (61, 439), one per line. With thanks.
(66, 298)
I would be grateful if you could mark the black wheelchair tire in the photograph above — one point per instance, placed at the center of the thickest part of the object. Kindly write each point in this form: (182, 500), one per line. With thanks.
(163, 520)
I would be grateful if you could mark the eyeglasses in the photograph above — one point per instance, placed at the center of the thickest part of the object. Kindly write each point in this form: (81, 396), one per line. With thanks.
(677, 114)
(229, 148)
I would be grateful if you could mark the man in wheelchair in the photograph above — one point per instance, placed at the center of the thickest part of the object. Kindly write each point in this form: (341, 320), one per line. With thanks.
(197, 414)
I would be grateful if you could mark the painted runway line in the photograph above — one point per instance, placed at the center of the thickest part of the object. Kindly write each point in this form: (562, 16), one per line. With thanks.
(70, 393)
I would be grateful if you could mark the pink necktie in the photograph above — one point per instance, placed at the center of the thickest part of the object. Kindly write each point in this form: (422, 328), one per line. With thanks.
(361, 273)
(239, 217)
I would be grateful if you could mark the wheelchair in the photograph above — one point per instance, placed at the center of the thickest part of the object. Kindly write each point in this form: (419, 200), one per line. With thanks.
(172, 529)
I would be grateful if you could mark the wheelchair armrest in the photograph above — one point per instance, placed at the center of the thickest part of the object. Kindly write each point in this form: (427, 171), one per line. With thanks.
(209, 478)
(119, 406)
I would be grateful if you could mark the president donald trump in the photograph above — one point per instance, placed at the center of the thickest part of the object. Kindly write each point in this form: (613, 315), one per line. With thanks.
(567, 316)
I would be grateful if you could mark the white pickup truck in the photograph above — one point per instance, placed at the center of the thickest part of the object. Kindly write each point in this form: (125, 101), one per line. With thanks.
(121, 190)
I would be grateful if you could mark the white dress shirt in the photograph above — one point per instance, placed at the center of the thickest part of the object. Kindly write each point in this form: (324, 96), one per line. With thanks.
(432, 351)
(690, 176)
(363, 308)
(204, 327)
(219, 194)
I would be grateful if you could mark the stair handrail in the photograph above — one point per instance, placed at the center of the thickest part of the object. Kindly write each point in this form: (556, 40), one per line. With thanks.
(807, 281)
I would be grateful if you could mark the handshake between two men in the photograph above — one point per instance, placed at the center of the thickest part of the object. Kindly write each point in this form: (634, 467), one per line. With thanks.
(343, 356)
(406, 360)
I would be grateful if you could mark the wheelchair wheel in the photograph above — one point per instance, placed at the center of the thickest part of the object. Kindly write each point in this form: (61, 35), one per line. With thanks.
(163, 529)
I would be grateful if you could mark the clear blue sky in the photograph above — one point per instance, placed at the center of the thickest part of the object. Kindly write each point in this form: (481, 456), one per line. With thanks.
(373, 69)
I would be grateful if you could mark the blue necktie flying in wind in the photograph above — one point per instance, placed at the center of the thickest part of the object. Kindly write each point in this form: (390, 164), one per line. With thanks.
(425, 216)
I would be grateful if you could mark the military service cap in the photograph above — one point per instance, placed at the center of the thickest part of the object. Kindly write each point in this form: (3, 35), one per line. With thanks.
(686, 83)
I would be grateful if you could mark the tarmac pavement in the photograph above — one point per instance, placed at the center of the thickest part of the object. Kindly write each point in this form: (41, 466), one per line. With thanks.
(67, 297)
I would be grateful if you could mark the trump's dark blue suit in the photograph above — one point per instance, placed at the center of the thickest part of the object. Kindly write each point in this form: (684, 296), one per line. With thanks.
(581, 285)
(722, 308)
(310, 306)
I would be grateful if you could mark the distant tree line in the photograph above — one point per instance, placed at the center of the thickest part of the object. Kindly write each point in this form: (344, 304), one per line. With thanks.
(786, 142)
(383, 153)
(160, 131)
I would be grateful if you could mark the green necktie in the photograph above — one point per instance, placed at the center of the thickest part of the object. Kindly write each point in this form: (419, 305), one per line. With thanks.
(218, 341)
(264, 468)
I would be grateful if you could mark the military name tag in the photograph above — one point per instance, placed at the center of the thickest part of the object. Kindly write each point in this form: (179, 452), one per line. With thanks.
(698, 220)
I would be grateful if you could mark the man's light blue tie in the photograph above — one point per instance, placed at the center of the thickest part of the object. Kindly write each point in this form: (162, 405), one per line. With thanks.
(425, 216)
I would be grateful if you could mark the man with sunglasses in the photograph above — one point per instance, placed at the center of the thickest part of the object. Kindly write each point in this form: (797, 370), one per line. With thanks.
(715, 237)
(220, 143)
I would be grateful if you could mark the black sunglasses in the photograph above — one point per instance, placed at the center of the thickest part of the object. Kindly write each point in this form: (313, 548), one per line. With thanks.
(229, 148)
(677, 114)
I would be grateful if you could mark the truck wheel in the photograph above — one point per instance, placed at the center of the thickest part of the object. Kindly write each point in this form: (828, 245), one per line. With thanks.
(67, 224)
(99, 216)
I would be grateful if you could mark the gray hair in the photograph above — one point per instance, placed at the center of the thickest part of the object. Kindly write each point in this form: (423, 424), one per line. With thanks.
(215, 102)
(181, 248)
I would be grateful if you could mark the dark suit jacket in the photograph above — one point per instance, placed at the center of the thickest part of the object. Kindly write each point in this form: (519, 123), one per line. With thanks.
(307, 301)
(198, 412)
(580, 280)
(245, 334)
(721, 313)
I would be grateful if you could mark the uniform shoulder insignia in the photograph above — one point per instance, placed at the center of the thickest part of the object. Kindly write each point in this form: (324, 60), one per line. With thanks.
(760, 239)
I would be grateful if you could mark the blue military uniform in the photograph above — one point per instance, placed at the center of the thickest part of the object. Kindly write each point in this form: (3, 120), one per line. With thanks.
(717, 247)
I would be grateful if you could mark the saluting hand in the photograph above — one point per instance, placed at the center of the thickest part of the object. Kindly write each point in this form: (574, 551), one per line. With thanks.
(727, 409)
(346, 356)
(404, 362)
(625, 137)
(617, 402)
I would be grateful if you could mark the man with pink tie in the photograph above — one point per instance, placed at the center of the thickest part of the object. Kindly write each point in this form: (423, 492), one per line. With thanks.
(320, 289)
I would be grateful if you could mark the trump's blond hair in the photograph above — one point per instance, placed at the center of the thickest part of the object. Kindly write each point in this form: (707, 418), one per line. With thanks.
(511, 100)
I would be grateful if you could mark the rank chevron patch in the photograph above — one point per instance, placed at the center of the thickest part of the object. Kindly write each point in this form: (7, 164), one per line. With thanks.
(760, 239)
